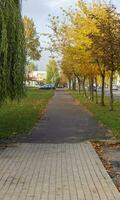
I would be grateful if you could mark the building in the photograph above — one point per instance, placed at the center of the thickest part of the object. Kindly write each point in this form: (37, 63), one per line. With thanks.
(36, 77)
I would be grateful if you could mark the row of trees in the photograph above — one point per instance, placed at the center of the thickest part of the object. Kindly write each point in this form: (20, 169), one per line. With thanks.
(88, 42)
(12, 50)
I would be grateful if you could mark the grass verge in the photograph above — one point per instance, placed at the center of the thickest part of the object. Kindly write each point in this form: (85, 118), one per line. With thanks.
(20, 117)
(111, 120)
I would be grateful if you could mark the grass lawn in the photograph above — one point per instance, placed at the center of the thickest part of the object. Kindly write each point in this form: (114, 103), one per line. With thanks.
(20, 117)
(110, 119)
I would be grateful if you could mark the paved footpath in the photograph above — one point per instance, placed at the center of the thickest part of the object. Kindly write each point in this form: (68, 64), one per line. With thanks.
(56, 161)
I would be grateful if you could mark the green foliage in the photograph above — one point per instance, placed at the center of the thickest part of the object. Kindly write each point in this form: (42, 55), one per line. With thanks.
(52, 72)
(12, 50)
(31, 39)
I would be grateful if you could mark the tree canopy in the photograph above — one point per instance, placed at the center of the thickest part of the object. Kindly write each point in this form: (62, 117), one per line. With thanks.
(88, 42)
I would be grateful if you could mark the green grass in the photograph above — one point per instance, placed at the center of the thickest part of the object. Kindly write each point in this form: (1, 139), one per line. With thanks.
(111, 120)
(16, 118)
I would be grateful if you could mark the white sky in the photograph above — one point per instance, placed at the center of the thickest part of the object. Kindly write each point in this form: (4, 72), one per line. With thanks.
(39, 11)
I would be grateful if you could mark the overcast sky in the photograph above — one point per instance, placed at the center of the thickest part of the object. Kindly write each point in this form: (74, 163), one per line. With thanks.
(39, 11)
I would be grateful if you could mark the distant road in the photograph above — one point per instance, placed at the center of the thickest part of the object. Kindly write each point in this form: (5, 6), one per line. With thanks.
(115, 92)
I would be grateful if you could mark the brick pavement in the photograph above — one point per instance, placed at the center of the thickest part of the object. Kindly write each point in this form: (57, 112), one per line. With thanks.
(54, 172)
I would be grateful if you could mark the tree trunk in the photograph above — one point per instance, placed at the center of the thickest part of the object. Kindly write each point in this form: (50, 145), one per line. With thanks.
(96, 93)
(111, 91)
(89, 88)
(102, 72)
(103, 90)
(84, 90)
(92, 91)
(74, 84)
(78, 84)
(69, 84)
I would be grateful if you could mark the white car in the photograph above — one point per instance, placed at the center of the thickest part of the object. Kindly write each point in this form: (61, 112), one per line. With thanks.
(47, 86)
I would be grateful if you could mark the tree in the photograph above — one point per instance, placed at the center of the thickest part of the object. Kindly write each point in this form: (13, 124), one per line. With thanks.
(31, 39)
(12, 50)
(52, 72)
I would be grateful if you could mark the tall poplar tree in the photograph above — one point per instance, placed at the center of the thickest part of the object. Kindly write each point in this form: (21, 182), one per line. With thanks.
(12, 50)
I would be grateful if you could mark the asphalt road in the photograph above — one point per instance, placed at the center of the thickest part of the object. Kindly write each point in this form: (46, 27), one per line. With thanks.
(116, 93)
(64, 122)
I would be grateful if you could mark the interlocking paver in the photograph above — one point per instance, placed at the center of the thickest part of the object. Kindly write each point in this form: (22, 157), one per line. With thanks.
(54, 172)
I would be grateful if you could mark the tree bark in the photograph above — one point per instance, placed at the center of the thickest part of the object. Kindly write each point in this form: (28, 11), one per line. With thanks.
(84, 90)
(103, 90)
(96, 90)
(74, 83)
(78, 84)
(90, 88)
(111, 91)
(102, 72)
(92, 91)
(69, 84)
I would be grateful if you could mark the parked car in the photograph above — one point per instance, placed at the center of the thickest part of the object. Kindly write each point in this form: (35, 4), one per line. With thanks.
(47, 86)
(41, 86)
